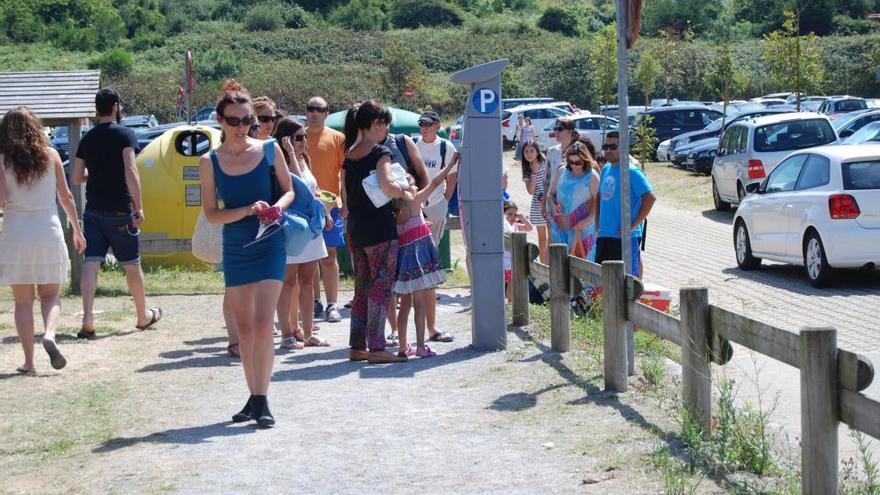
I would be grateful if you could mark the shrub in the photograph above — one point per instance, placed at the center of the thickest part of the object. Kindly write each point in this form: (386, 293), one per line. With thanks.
(263, 17)
(216, 64)
(177, 22)
(559, 20)
(145, 41)
(411, 14)
(296, 17)
(114, 62)
(360, 15)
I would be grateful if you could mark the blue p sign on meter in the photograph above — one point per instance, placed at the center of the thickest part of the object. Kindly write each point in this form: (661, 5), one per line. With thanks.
(485, 100)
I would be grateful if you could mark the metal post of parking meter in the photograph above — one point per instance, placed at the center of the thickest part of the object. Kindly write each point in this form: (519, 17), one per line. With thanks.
(479, 178)
(623, 148)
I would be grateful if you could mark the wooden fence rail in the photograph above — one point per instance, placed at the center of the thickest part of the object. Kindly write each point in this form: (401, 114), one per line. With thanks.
(831, 378)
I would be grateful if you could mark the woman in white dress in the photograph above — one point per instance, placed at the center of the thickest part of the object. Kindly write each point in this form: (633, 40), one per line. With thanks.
(32, 248)
(295, 302)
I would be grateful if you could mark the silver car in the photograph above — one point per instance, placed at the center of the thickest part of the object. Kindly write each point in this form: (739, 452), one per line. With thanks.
(750, 149)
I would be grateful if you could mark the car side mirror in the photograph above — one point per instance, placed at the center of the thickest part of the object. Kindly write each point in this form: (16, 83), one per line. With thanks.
(754, 187)
(847, 133)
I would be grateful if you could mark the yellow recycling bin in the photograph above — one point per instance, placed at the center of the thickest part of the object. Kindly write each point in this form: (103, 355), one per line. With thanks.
(170, 190)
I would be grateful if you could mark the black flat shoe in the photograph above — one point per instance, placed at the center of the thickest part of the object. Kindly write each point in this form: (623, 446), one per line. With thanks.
(246, 413)
(261, 411)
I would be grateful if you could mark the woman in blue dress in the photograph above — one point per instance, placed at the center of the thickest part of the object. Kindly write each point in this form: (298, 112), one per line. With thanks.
(239, 174)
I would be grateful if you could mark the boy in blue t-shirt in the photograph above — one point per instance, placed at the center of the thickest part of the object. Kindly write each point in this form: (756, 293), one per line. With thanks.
(641, 201)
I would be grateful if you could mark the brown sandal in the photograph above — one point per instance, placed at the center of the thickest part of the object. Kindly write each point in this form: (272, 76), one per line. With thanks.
(314, 341)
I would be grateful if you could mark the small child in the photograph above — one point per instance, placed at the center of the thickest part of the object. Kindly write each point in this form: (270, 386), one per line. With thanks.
(514, 221)
(418, 265)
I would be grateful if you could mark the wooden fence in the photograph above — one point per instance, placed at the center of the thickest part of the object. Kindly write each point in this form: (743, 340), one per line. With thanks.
(831, 378)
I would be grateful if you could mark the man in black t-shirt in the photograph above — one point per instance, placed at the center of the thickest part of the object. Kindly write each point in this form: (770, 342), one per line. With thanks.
(113, 213)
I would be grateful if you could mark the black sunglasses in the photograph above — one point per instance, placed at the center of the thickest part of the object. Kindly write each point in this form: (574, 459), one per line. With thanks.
(266, 118)
(560, 129)
(299, 137)
(425, 124)
(239, 121)
(575, 163)
(611, 147)
(313, 108)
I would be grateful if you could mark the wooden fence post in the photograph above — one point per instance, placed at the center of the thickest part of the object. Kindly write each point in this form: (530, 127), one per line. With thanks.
(519, 253)
(560, 300)
(696, 356)
(614, 324)
(819, 410)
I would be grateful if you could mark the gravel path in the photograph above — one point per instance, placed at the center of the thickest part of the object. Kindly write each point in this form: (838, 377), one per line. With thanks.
(148, 412)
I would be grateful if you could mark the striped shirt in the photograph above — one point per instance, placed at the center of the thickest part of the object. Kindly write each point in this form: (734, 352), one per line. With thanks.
(535, 214)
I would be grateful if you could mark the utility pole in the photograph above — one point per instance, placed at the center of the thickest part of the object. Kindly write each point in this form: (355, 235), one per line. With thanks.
(623, 147)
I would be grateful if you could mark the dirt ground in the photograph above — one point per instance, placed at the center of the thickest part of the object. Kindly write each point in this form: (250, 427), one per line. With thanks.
(149, 412)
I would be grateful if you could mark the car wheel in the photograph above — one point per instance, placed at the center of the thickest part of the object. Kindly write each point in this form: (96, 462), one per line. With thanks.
(819, 272)
(720, 204)
(743, 248)
(740, 192)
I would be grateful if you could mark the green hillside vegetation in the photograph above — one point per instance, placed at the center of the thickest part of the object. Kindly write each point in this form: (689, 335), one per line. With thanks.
(352, 50)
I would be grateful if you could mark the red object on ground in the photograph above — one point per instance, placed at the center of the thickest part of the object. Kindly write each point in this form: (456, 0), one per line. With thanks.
(656, 296)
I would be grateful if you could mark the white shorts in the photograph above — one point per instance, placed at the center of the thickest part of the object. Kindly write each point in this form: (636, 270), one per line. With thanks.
(436, 213)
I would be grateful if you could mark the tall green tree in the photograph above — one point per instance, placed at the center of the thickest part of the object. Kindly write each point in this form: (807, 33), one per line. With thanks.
(603, 55)
(794, 60)
(647, 71)
(725, 78)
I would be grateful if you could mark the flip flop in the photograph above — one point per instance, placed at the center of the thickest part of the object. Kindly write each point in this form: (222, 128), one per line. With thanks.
(55, 357)
(426, 353)
(441, 337)
(157, 315)
(86, 334)
(26, 372)
(311, 342)
(233, 353)
(291, 344)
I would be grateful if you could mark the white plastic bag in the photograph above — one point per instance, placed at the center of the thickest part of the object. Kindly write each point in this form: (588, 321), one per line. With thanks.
(374, 192)
(207, 240)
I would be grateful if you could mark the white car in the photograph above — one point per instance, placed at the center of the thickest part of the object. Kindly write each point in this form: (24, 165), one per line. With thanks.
(750, 149)
(593, 126)
(663, 151)
(540, 114)
(820, 208)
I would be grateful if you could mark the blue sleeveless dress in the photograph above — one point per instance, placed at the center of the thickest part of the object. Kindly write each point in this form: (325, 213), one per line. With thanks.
(265, 260)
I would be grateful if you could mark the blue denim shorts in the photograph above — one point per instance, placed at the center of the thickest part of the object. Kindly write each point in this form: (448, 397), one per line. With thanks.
(105, 230)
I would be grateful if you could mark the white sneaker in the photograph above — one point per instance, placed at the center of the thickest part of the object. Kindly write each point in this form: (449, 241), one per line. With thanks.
(333, 315)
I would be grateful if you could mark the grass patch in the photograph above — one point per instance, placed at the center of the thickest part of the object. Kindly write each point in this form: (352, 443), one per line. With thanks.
(685, 189)
(81, 415)
(161, 280)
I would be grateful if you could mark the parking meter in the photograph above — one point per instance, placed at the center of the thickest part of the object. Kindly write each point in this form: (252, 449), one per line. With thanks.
(480, 201)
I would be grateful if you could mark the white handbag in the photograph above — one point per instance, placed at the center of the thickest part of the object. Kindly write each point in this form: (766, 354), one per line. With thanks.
(207, 240)
(374, 192)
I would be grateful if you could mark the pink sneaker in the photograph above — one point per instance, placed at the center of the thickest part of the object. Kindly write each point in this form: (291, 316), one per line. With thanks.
(426, 353)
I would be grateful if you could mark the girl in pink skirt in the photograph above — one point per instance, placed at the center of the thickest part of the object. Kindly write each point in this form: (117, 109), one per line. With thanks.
(418, 264)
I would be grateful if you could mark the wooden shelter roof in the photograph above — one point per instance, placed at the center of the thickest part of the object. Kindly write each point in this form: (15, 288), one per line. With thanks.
(55, 97)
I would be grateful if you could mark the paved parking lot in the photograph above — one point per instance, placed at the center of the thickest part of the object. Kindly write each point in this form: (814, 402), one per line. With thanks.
(693, 248)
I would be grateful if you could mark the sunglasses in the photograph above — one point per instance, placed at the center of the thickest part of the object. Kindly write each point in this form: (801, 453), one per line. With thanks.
(560, 129)
(315, 109)
(239, 121)
(575, 163)
(425, 124)
(609, 147)
(266, 118)
(299, 137)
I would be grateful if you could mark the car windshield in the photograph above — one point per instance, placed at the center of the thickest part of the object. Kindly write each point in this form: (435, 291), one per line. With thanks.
(851, 105)
(870, 132)
(793, 135)
(861, 175)
(715, 125)
(841, 122)
(61, 132)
